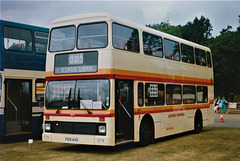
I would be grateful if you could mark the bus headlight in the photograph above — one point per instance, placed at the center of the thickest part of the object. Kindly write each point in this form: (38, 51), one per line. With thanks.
(48, 127)
(102, 129)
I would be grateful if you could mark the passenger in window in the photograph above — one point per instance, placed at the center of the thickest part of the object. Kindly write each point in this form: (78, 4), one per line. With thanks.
(126, 47)
(133, 46)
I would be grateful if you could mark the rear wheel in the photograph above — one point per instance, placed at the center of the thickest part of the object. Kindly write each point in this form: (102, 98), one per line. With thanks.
(146, 133)
(198, 123)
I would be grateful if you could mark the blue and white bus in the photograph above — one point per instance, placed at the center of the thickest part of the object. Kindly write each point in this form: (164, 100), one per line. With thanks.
(22, 78)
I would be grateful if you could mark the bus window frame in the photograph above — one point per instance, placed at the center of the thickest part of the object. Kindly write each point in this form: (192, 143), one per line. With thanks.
(164, 49)
(50, 36)
(74, 92)
(141, 103)
(32, 39)
(168, 102)
(185, 101)
(139, 48)
(107, 42)
(159, 37)
(35, 42)
(181, 44)
(206, 87)
(199, 50)
(40, 80)
(155, 99)
(209, 56)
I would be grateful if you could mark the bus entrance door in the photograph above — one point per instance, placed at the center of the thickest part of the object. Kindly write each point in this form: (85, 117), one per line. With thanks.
(18, 109)
(124, 116)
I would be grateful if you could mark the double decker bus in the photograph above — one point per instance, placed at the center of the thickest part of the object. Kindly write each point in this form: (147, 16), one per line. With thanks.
(110, 81)
(22, 79)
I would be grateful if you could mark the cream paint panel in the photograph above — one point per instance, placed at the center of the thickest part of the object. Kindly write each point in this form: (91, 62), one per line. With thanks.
(22, 74)
(83, 139)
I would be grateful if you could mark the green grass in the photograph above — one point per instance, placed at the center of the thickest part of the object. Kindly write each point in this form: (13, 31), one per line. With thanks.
(212, 144)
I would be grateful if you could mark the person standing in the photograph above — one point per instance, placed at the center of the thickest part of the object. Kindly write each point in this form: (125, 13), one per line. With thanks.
(224, 104)
(217, 102)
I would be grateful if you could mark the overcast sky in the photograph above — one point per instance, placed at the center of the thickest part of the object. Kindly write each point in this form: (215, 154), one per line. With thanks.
(42, 13)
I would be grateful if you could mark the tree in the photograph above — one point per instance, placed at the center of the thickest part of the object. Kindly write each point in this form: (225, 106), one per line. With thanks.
(167, 28)
(226, 54)
(198, 31)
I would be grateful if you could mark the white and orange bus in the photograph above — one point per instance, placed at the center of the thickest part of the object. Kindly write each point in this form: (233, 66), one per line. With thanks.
(110, 81)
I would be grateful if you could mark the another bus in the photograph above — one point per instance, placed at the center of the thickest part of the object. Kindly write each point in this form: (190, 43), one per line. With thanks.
(22, 79)
(110, 81)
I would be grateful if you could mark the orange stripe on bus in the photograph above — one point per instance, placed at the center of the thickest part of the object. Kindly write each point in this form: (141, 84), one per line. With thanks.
(137, 111)
(133, 75)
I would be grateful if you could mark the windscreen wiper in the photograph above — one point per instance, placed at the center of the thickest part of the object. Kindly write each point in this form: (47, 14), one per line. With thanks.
(68, 100)
(85, 107)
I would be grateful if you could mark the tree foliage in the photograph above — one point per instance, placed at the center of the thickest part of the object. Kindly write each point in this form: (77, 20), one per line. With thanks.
(226, 56)
(167, 28)
(198, 31)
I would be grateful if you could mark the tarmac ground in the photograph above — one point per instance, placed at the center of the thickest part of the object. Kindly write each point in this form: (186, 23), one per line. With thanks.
(230, 120)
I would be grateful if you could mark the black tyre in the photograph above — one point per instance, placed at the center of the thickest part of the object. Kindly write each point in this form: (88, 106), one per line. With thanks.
(146, 133)
(198, 125)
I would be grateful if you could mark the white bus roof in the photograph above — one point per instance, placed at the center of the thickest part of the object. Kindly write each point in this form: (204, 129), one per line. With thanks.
(99, 16)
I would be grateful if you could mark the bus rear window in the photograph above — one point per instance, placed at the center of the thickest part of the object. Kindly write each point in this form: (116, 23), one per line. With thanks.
(92, 36)
(62, 39)
(17, 39)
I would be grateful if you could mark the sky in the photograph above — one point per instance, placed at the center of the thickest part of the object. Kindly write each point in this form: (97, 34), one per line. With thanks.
(42, 13)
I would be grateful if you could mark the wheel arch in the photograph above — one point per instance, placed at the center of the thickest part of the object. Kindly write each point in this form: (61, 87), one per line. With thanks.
(147, 119)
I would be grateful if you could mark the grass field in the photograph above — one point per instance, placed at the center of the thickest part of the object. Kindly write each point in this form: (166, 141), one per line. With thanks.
(211, 144)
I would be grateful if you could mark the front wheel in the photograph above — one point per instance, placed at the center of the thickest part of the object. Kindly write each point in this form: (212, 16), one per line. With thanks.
(146, 133)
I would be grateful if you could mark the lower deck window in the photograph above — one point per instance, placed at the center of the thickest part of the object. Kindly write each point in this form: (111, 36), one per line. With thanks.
(189, 94)
(202, 94)
(154, 94)
(173, 94)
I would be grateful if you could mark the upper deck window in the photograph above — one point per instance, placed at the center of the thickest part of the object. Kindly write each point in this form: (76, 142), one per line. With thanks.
(41, 39)
(125, 38)
(171, 50)
(152, 45)
(209, 61)
(17, 39)
(200, 57)
(62, 39)
(92, 35)
(187, 53)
